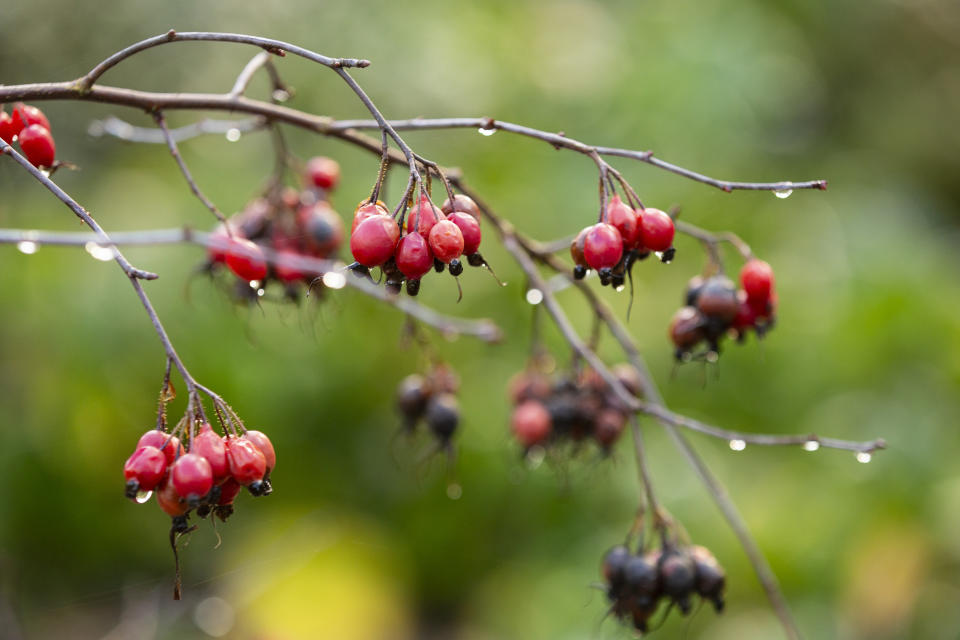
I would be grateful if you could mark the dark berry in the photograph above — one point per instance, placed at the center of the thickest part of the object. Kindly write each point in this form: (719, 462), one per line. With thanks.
(443, 415)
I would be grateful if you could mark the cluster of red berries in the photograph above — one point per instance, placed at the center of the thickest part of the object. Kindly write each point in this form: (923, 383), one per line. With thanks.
(292, 223)
(206, 475)
(431, 398)
(622, 237)
(574, 407)
(636, 583)
(714, 307)
(435, 238)
(31, 130)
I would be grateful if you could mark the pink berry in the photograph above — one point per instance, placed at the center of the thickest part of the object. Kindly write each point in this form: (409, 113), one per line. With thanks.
(247, 463)
(192, 476)
(756, 276)
(144, 470)
(602, 246)
(262, 442)
(624, 219)
(656, 230)
(374, 240)
(366, 209)
(323, 172)
(446, 241)
(470, 229)
(208, 445)
(422, 216)
(413, 256)
(169, 444)
(530, 423)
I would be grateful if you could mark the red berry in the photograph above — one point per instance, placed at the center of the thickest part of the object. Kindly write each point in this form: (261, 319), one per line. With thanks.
(764, 308)
(322, 228)
(470, 229)
(656, 230)
(246, 259)
(229, 491)
(208, 445)
(756, 276)
(461, 203)
(283, 267)
(323, 172)
(687, 327)
(374, 240)
(217, 250)
(608, 425)
(576, 248)
(247, 462)
(169, 444)
(530, 423)
(413, 256)
(7, 132)
(170, 501)
(746, 316)
(262, 442)
(37, 145)
(146, 467)
(422, 216)
(25, 115)
(624, 219)
(602, 246)
(446, 241)
(191, 476)
(366, 209)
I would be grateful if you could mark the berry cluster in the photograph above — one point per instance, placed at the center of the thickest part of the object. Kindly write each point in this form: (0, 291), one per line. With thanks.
(714, 307)
(636, 583)
(623, 236)
(574, 406)
(434, 238)
(206, 474)
(292, 223)
(431, 398)
(31, 130)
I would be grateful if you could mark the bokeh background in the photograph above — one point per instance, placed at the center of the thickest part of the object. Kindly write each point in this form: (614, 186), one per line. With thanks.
(360, 539)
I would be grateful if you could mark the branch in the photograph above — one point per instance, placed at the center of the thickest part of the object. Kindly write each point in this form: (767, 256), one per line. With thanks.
(123, 130)
(482, 329)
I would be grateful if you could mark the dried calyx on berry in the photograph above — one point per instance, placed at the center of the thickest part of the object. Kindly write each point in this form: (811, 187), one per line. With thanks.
(636, 583)
(569, 407)
(716, 308)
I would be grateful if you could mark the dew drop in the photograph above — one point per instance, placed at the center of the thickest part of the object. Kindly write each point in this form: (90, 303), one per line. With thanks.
(99, 252)
(811, 445)
(864, 457)
(143, 496)
(254, 284)
(233, 134)
(28, 247)
(620, 288)
(783, 193)
(260, 292)
(45, 173)
(281, 95)
(334, 280)
(486, 132)
(738, 445)
(534, 296)
(454, 491)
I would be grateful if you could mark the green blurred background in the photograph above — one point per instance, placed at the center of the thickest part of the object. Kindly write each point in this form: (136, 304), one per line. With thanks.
(360, 540)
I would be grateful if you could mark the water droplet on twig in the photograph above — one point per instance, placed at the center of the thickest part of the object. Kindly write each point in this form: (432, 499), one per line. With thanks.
(28, 247)
(783, 193)
(738, 445)
(864, 457)
(486, 132)
(811, 445)
(143, 496)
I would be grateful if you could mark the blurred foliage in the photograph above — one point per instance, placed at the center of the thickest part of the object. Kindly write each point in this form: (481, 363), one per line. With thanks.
(360, 539)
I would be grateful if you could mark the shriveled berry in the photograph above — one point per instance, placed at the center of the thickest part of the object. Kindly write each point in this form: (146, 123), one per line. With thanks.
(208, 445)
(641, 578)
(607, 426)
(168, 444)
(677, 577)
(443, 415)
(245, 258)
(614, 562)
(25, 115)
(247, 463)
(37, 145)
(322, 228)
(422, 216)
(412, 395)
(462, 203)
(374, 240)
(446, 241)
(470, 229)
(530, 423)
(413, 256)
(711, 577)
(687, 327)
(602, 246)
(718, 299)
(7, 132)
(192, 476)
(756, 277)
(576, 248)
(262, 442)
(323, 172)
(170, 501)
(144, 470)
(656, 230)
(624, 219)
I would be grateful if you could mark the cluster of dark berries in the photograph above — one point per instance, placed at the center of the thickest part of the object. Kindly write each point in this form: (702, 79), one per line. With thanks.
(574, 407)
(435, 238)
(292, 223)
(624, 236)
(29, 128)
(714, 307)
(636, 583)
(206, 474)
(430, 398)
